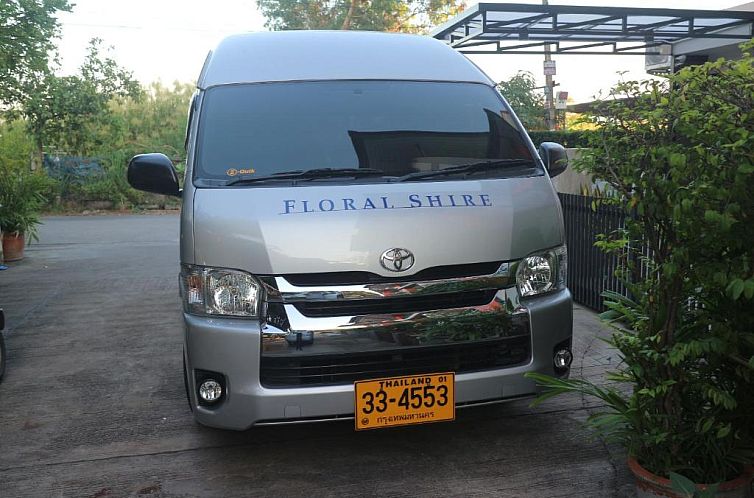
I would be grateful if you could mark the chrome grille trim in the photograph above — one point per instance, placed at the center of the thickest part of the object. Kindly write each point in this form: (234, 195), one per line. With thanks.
(398, 305)
(300, 322)
(284, 291)
(503, 316)
(502, 308)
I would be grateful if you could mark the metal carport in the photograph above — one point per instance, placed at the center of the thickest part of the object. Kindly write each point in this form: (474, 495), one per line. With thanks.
(497, 28)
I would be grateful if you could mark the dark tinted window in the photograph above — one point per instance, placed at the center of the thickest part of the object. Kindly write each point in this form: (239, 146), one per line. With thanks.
(398, 127)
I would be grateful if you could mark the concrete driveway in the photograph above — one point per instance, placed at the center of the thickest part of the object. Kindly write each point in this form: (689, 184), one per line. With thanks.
(93, 401)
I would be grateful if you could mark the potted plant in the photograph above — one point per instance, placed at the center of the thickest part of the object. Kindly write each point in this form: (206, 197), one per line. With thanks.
(678, 156)
(21, 199)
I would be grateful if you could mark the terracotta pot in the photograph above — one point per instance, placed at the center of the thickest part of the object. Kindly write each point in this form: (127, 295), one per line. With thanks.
(649, 485)
(13, 246)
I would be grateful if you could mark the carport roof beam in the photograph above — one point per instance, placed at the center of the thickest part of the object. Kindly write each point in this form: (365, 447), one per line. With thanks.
(489, 28)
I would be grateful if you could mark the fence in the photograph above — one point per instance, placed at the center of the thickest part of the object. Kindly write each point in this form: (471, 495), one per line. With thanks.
(71, 168)
(590, 271)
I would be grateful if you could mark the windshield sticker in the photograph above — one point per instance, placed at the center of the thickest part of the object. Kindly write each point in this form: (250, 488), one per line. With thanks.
(234, 171)
(369, 203)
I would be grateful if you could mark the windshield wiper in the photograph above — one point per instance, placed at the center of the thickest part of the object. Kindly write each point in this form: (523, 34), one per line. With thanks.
(308, 174)
(467, 168)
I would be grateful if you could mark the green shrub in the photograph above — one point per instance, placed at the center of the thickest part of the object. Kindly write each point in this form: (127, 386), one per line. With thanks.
(16, 146)
(22, 195)
(112, 186)
(569, 139)
(679, 158)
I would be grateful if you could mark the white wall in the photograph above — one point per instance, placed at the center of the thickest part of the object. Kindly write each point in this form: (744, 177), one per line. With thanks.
(571, 182)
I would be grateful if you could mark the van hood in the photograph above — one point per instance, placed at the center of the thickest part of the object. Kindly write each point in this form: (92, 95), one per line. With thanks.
(333, 228)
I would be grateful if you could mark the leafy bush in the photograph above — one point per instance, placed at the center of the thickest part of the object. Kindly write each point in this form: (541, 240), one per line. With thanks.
(679, 158)
(15, 146)
(111, 188)
(575, 139)
(22, 196)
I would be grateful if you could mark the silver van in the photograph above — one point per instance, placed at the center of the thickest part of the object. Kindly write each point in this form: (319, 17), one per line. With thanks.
(367, 233)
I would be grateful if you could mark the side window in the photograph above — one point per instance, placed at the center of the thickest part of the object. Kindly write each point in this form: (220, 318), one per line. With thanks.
(191, 112)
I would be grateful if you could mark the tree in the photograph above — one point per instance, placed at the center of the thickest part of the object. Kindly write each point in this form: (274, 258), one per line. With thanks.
(59, 109)
(529, 104)
(156, 121)
(375, 15)
(27, 31)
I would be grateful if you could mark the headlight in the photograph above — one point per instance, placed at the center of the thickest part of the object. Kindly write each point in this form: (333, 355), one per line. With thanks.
(217, 291)
(542, 272)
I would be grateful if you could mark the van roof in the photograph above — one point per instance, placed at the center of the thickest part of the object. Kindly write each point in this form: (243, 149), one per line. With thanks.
(334, 55)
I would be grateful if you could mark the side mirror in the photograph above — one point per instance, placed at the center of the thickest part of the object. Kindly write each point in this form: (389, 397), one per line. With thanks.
(554, 156)
(153, 173)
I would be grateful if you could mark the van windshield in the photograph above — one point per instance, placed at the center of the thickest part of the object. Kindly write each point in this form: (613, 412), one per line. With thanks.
(392, 130)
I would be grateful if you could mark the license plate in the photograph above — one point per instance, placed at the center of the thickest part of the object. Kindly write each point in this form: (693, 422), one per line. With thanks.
(412, 399)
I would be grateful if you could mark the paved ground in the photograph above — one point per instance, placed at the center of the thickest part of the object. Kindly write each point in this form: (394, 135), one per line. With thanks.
(93, 402)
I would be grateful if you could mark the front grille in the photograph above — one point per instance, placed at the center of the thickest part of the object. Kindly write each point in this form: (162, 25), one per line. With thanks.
(363, 277)
(322, 370)
(395, 305)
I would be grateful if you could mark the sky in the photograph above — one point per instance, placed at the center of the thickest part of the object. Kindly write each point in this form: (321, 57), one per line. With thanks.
(167, 40)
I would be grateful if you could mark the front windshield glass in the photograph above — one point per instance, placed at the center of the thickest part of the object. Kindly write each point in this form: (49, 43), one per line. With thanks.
(395, 127)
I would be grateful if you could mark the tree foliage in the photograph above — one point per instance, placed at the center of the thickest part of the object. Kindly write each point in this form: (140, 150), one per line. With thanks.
(527, 102)
(374, 15)
(27, 31)
(16, 146)
(155, 121)
(99, 112)
(59, 109)
(679, 158)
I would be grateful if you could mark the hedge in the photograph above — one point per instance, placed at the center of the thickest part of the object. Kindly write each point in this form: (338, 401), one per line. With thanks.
(569, 139)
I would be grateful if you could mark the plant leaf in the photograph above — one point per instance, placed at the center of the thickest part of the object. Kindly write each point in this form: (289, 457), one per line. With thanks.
(682, 485)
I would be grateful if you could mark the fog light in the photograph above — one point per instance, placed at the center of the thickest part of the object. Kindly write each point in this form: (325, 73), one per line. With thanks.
(562, 359)
(210, 391)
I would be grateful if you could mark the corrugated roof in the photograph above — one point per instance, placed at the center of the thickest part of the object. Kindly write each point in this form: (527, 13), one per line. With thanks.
(523, 28)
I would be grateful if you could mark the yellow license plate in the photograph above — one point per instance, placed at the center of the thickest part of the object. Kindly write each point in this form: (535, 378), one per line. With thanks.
(412, 399)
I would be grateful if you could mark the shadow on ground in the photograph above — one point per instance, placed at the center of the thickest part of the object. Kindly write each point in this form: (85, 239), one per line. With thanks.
(93, 401)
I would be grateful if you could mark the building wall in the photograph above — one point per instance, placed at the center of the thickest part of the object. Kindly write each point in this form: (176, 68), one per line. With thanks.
(570, 181)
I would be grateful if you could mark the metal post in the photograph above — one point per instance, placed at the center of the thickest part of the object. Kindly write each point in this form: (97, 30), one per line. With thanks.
(549, 97)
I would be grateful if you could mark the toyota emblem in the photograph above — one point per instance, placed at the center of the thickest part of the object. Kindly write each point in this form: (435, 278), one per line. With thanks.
(397, 259)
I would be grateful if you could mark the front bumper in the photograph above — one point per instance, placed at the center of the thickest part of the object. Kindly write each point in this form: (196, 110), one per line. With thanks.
(233, 348)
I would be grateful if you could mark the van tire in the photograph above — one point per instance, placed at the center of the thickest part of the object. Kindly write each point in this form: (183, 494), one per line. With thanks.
(186, 382)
